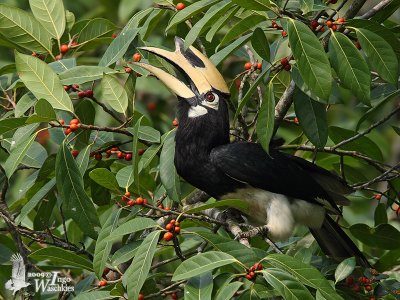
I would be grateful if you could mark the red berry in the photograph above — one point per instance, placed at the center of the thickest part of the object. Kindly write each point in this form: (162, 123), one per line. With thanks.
(259, 66)
(58, 57)
(372, 298)
(128, 70)
(98, 156)
(329, 23)
(141, 297)
(140, 152)
(64, 48)
(356, 288)
(340, 20)
(81, 94)
(105, 271)
(284, 61)
(114, 149)
(74, 121)
(314, 24)
(102, 283)
(358, 46)
(175, 123)
(322, 29)
(121, 155)
(73, 127)
(349, 280)
(368, 288)
(75, 153)
(169, 227)
(114, 35)
(61, 121)
(139, 200)
(180, 6)
(287, 67)
(174, 296)
(67, 87)
(75, 87)
(296, 120)
(378, 196)
(334, 27)
(172, 221)
(151, 106)
(34, 54)
(177, 229)
(284, 33)
(137, 57)
(274, 25)
(249, 277)
(177, 223)
(67, 131)
(131, 203)
(89, 93)
(168, 236)
(74, 44)
(145, 201)
(247, 66)
(128, 157)
(127, 194)
(167, 208)
(259, 267)
(333, 1)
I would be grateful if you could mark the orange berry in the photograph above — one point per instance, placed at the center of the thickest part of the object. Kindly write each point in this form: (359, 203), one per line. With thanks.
(169, 227)
(74, 121)
(139, 200)
(102, 283)
(378, 196)
(340, 20)
(334, 27)
(167, 208)
(67, 87)
(296, 120)
(247, 66)
(177, 229)
(127, 194)
(137, 57)
(114, 149)
(73, 127)
(180, 6)
(64, 48)
(322, 29)
(140, 152)
(131, 203)
(168, 236)
(121, 155)
(67, 131)
(175, 123)
(172, 221)
(114, 35)
(128, 70)
(177, 223)
(329, 23)
(62, 122)
(284, 33)
(259, 66)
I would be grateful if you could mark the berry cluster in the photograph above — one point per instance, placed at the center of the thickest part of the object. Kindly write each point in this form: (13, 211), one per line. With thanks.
(81, 94)
(249, 65)
(74, 124)
(363, 282)
(173, 229)
(130, 202)
(330, 24)
(251, 275)
(285, 64)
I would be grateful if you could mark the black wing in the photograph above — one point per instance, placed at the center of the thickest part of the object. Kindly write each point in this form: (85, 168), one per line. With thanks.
(277, 172)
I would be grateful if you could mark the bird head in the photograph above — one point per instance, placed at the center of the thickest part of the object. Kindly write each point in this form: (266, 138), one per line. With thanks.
(205, 91)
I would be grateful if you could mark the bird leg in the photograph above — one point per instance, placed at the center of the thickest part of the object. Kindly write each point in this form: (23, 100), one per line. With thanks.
(260, 230)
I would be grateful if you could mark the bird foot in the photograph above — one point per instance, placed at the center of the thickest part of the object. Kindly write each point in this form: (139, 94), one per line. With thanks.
(261, 230)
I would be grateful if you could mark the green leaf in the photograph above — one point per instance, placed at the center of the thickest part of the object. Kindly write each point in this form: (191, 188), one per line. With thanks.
(311, 58)
(11, 124)
(125, 176)
(305, 273)
(350, 66)
(17, 155)
(131, 226)
(344, 269)
(44, 112)
(23, 29)
(136, 274)
(148, 156)
(226, 292)
(381, 56)
(62, 65)
(149, 134)
(256, 5)
(241, 27)
(82, 160)
(190, 12)
(312, 118)
(23, 104)
(41, 80)
(135, 155)
(86, 113)
(221, 22)
(51, 15)
(363, 144)
(93, 30)
(94, 295)
(77, 205)
(125, 253)
(60, 256)
(266, 118)
(34, 201)
(306, 6)
(114, 93)
(201, 263)
(105, 178)
(199, 287)
(82, 74)
(233, 203)
(168, 175)
(287, 286)
(260, 44)
(103, 246)
(380, 216)
(210, 16)
(383, 236)
(218, 57)
(118, 47)
(396, 129)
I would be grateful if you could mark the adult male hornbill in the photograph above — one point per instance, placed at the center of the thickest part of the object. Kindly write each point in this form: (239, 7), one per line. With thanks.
(282, 190)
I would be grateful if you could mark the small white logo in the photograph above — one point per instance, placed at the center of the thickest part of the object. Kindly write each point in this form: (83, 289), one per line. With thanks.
(17, 280)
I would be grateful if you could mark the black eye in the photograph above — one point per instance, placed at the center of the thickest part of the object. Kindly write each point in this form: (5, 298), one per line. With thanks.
(210, 97)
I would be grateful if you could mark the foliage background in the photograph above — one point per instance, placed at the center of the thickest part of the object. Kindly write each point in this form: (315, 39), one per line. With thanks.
(38, 172)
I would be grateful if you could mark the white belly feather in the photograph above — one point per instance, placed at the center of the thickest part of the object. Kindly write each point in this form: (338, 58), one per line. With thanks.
(278, 213)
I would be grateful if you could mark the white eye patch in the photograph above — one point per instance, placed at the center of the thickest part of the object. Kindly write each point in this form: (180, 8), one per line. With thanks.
(211, 100)
(196, 111)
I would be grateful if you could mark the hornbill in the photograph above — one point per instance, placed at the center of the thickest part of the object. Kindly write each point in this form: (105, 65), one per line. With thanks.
(282, 190)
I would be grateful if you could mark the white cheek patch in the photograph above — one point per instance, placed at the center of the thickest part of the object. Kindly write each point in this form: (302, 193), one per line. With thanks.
(197, 111)
(213, 105)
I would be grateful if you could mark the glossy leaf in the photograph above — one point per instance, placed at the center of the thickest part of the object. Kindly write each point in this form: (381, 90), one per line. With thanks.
(77, 205)
(103, 246)
(260, 44)
(125, 253)
(23, 29)
(226, 292)
(381, 56)
(82, 74)
(380, 215)
(218, 57)
(344, 269)
(131, 226)
(60, 256)
(310, 58)
(51, 15)
(220, 23)
(41, 80)
(114, 93)
(201, 263)
(241, 27)
(11, 124)
(350, 66)
(82, 160)
(305, 273)
(199, 287)
(312, 118)
(23, 104)
(125, 177)
(288, 286)
(136, 274)
(254, 4)
(266, 118)
(383, 236)
(149, 134)
(168, 174)
(94, 29)
(135, 152)
(105, 178)
(44, 112)
(306, 6)
(95, 295)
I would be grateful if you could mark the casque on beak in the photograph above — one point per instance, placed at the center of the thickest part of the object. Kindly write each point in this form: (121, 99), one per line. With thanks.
(197, 69)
